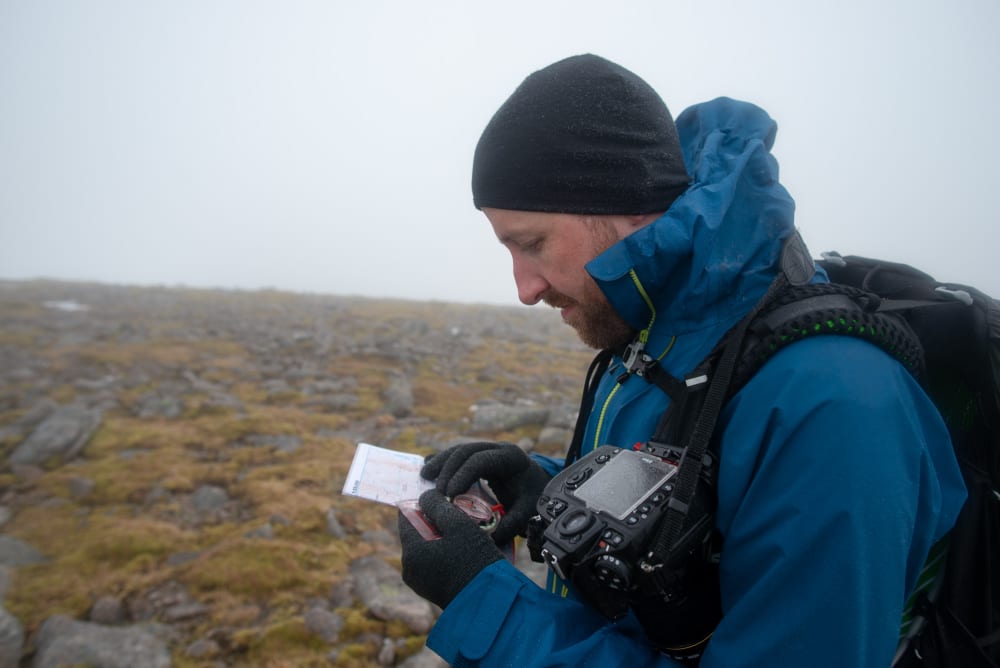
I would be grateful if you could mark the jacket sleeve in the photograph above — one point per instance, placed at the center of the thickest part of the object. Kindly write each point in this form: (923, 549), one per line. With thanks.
(836, 476)
(550, 465)
(502, 618)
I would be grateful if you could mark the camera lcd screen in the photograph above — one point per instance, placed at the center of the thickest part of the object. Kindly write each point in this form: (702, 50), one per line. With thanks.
(624, 483)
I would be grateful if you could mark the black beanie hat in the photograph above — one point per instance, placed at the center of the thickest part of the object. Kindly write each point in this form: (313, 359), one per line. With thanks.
(583, 135)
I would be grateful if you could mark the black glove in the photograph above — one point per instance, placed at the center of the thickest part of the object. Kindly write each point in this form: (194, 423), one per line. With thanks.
(514, 477)
(438, 569)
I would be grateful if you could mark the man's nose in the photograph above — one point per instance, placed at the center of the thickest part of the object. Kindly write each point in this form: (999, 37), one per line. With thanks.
(531, 285)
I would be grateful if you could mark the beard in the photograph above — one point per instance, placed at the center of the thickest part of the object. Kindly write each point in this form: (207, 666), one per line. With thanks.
(596, 323)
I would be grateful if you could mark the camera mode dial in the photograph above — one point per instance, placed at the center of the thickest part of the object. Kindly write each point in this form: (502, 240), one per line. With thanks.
(612, 572)
(578, 478)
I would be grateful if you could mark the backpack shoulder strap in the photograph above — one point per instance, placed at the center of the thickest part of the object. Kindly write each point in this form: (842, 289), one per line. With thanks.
(807, 311)
(958, 325)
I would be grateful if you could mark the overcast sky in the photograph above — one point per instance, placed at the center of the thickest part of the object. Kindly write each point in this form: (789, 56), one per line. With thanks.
(326, 146)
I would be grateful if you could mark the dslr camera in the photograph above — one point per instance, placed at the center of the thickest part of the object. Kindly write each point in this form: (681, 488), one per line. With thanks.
(596, 527)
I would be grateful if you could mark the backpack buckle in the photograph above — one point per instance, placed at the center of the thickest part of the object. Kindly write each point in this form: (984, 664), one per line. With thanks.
(957, 295)
(634, 358)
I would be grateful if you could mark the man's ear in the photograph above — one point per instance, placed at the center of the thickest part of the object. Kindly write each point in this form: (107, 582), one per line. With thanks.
(626, 225)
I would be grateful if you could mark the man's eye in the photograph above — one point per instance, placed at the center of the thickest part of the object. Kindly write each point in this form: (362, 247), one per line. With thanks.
(532, 245)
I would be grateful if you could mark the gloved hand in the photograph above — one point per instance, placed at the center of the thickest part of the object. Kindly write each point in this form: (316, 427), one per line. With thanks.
(514, 477)
(438, 569)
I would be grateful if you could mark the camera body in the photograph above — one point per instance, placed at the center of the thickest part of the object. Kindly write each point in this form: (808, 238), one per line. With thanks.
(597, 518)
(598, 527)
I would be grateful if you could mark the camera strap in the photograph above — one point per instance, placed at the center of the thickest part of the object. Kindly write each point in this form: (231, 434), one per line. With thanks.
(796, 269)
(597, 368)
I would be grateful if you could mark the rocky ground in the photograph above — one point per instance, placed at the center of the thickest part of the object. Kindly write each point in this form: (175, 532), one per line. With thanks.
(172, 461)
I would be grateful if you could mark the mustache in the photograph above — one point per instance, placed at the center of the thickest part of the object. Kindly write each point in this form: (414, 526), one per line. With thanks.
(558, 300)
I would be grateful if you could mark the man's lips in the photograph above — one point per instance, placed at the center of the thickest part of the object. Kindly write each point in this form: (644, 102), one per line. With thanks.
(565, 305)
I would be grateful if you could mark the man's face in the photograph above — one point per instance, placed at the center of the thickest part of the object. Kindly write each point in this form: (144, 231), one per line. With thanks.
(549, 251)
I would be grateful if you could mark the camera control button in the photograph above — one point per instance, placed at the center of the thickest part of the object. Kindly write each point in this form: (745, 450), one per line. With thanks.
(555, 507)
(577, 478)
(632, 520)
(602, 459)
(613, 537)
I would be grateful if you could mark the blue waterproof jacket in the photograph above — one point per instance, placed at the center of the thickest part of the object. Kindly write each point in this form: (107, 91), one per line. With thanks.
(836, 471)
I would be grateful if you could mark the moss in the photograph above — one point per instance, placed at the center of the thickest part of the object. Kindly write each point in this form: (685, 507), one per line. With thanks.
(118, 433)
(226, 428)
(284, 643)
(250, 393)
(90, 555)
(228, 610)
(356, 655)
(406, 440)
(252, 568)
(328, 421)
(411, 645)
(440, 400)
(130, 543)
(289, 634)
(157, 457)
(39, 592)
(23, 340)
(359, 623)
(291, 499)
(12, 415)
(63, 394)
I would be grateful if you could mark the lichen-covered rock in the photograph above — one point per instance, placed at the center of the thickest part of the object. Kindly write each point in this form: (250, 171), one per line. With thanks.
(495, 416)
(14, 552)
(63, 641)
(61, 435)
(424, 659)
(399, 396)
(11, 639)
(327, 625)
(383, 592)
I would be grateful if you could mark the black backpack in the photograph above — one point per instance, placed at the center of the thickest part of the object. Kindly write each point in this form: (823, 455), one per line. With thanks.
(953, 618)
(948, 336)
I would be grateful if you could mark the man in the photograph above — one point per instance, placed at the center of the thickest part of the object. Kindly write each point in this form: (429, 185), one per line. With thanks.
(835, 474)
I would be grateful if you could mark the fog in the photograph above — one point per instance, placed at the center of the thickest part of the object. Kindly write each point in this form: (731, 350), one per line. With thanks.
(326, 146)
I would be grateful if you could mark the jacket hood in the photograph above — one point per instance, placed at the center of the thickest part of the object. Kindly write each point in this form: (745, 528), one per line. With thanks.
(712, 255)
